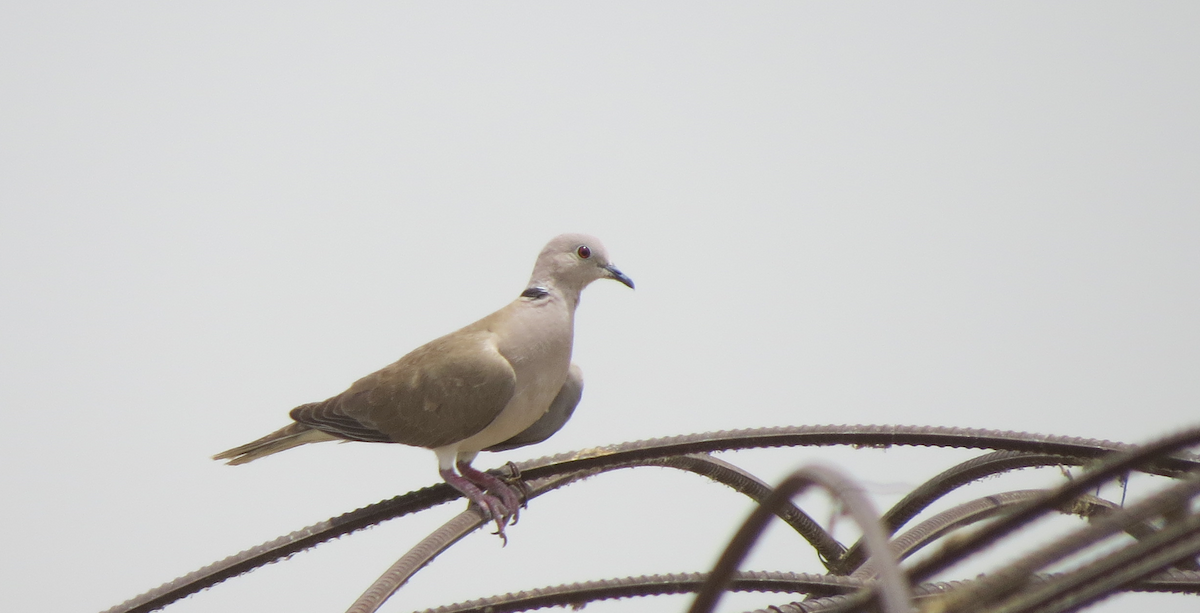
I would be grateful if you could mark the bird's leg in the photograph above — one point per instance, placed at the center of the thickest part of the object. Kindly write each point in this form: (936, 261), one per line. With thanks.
(495, 486)
(491, 506)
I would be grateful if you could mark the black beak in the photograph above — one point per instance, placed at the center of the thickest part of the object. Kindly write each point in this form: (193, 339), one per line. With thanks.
(615, 273)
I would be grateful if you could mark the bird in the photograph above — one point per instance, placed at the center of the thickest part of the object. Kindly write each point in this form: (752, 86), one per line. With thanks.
(502, 382)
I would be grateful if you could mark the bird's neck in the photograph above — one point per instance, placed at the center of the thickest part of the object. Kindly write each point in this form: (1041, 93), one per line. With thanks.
(545, 290)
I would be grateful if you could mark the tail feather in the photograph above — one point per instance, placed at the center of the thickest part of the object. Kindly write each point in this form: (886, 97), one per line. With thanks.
(285, 438)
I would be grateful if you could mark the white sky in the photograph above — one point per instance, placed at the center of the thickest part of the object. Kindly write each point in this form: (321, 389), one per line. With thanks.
(937, 213)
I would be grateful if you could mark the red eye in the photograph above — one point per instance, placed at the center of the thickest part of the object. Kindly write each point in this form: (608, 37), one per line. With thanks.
(584, 252)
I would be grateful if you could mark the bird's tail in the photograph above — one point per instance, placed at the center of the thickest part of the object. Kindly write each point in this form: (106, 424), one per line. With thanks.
(289, 436)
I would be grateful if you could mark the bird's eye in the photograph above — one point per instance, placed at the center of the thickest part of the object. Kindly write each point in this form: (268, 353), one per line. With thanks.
(583, 252)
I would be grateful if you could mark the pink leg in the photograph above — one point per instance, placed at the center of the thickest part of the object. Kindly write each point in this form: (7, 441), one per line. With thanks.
(496, 487)
(490, 506)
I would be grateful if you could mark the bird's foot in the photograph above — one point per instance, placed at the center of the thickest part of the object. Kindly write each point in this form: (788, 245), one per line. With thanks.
(490, 506)
(511, 496)
(493, 509)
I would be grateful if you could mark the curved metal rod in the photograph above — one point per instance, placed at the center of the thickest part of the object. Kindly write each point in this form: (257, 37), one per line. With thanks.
(1170, 581)
(470, 520)
(285, 546)
(725, 473)
(1173, 580)
(1014, 576)
(429, 548)
(987, 507)
(837, 602)
(945, 482)
(1092, 582)
(962, 515)
(868, 436)
(980, 467)
(895, 596)
(578, 594)
(438, 541)
(1103, 471)
(616, 455)
(419, 500)
(583, 593)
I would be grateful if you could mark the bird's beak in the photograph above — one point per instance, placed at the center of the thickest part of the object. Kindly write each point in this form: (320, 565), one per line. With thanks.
(615, 273)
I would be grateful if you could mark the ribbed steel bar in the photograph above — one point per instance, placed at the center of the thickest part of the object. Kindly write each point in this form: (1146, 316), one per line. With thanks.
(893, 589)
(721, 471)
(470, 520)
(438, 541)
(1172, 580)
(981, 467)
(956, 517)
(1118, 464)
(713, 468)
(285, 546)
(1014, 576)
(415, 559)
(1110, 573)
(865, 436)
(1169, 581)
(627, 453)
(987, 507)
(578, 594)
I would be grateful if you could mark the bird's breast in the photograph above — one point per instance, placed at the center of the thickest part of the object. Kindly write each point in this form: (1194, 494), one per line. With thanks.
(537, 343)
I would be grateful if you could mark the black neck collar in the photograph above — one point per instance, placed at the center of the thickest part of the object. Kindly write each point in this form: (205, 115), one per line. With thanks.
(535, 292)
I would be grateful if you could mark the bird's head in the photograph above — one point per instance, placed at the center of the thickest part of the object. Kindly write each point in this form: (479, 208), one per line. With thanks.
(571, 261)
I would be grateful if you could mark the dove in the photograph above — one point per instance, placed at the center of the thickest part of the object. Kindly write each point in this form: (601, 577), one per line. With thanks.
(503, 382)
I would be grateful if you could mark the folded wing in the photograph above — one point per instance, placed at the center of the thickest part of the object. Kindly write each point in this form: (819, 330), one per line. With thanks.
(441, 393)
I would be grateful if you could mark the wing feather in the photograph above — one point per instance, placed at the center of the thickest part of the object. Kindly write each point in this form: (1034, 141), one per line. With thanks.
(440, 393)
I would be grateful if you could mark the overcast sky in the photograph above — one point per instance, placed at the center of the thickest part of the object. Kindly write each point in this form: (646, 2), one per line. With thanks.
(957, 214)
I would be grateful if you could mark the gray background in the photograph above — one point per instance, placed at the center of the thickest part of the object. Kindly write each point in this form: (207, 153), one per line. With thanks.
(936, 213)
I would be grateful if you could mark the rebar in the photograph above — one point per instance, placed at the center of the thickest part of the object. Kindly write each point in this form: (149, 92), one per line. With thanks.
(893, 588)
(1013, 450)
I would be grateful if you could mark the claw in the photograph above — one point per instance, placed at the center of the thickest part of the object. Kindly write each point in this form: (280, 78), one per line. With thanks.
(500, 533)
(498, 499)
(490, 506)
(491, 509)
(511, 495)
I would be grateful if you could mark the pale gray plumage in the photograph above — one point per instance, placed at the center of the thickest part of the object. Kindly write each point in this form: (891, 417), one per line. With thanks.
(553, 419)
(503, 382)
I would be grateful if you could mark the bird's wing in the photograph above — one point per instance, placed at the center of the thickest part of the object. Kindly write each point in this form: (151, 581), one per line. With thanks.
(553, 419)
(441, 393)
(328, 416)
